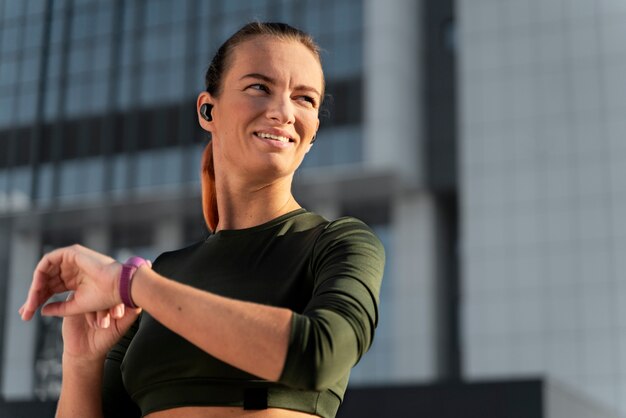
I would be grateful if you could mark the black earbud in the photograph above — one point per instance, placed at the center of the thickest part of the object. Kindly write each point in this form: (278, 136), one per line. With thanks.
(313, 139)
(205, 112)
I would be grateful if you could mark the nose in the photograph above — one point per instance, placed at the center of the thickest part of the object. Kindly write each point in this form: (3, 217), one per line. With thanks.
(281, 109)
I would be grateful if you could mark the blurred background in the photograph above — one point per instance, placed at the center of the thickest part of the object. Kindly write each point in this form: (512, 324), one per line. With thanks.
(481, 139)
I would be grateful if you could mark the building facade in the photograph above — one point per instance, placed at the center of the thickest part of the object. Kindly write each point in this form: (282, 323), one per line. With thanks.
(99, 144)
(543, 163)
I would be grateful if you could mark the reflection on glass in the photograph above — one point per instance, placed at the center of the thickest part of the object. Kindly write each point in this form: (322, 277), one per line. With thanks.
(19, 188)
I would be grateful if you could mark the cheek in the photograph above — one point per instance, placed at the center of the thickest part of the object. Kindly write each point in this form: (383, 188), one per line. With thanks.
(308, 124)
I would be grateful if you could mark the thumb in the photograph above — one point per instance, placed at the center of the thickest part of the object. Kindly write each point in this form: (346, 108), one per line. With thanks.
(67, 308)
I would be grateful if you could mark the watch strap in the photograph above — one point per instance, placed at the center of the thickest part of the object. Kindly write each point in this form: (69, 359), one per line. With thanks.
(126, 279)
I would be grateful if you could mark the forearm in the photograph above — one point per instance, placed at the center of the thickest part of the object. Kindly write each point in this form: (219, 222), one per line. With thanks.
(249, 336)
(80, 389)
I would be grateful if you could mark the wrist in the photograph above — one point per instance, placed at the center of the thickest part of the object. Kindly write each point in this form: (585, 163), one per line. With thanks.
(82, 365)
(126, 278)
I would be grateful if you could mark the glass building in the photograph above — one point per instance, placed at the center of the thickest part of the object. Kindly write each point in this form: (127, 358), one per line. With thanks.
(99, 144)
(515, 271)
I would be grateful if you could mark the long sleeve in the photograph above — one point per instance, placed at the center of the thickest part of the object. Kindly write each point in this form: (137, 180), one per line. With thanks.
(337, 326)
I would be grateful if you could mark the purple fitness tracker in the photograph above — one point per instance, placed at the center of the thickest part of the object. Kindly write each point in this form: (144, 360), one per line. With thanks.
(126, 277)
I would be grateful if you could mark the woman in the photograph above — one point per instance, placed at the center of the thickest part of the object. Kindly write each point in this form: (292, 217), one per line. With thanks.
(267, 316)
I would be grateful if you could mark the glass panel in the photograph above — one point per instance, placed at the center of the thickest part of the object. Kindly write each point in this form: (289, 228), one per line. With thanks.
(69, 177)
(347, 16)
(83, 24)
(104, 23)
(179, 11)
(155, 45)
(34, 34)
(4, 183)
(30, 69)
(8, 73)
(13, 9)
(75, 98)
(347, 146)
(44, 180)
(54, 63)
(150, 86)
(56, 29)
(10, 38)
(27, 108)
(174, 166)
(312, 17)
(35, 6)
(193, 158)
(347, 57)
(92, 176)
(125, 97)
(7, 101)
(120, 172)
(158, 12)
(79, 60)
(174, 84)
(178, 44)
(99, 94)
(20, 188)
(51, 102)
(102, 55)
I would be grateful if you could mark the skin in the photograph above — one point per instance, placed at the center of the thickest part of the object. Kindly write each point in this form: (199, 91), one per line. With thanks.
(257, 187)
(272, 86)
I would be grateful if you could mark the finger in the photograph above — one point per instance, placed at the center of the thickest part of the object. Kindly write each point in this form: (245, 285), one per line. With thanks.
(42, 285)
(67, 308)
(130, 315)
(117, 311)
(90, 317)
(104, 319)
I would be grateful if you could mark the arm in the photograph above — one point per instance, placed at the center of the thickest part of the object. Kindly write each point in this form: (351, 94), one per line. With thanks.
(84, 350)
(337, 326)
(311, 350)
(324, 342)
(249, 336)
(80, 389)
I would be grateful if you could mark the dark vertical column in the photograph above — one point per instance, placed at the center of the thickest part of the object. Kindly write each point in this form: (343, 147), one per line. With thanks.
(441, 162)
(109, 121)
(59, 130)
(132, 123)
(37, 132)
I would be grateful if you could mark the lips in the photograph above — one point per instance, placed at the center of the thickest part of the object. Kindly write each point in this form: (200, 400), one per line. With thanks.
(275, 135)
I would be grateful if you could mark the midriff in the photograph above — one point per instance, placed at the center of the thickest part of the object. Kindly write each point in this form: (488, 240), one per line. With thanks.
(226, 412)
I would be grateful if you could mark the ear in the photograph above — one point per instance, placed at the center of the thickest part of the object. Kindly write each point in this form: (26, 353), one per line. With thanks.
(204, 98)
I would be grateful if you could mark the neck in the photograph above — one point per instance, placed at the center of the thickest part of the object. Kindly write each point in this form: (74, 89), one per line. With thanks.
(244, 206)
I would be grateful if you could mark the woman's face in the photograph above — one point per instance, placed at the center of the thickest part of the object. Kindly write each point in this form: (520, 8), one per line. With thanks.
(267, 111)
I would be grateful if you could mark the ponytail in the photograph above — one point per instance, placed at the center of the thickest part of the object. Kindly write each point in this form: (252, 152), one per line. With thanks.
(209, 198)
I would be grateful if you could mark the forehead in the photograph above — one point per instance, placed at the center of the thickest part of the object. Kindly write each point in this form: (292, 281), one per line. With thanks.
(276, 58)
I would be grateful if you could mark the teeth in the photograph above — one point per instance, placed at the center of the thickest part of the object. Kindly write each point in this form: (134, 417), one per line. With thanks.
(274, 137)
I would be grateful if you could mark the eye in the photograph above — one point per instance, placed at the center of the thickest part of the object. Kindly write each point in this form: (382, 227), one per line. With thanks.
(259, 87)
(310, 101)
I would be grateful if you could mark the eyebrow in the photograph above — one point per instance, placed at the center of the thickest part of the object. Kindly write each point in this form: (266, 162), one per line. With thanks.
(272, 81)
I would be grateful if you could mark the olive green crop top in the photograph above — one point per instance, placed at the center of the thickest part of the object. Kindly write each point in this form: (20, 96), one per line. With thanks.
(327, 273)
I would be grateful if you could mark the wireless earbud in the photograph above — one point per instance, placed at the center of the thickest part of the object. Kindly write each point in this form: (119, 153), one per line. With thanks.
(205, 112)
(313, 139)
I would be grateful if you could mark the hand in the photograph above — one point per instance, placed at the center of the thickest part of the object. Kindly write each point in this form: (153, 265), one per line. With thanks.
(88, 337)
(92, 276)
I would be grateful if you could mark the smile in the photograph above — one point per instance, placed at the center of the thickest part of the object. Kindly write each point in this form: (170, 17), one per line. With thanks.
(279, 138)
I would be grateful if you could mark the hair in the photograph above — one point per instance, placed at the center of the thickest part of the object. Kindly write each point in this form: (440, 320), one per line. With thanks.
(214, 82)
